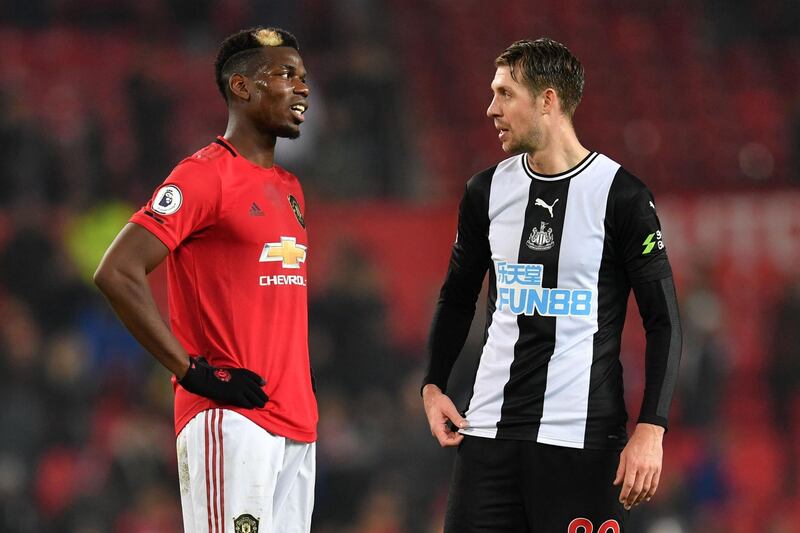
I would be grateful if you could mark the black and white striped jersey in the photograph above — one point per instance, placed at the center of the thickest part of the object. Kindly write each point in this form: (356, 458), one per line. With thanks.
(562, 252)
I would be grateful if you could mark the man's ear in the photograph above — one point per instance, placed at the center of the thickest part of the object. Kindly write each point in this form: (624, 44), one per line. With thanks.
(549, 100)
(238, 87)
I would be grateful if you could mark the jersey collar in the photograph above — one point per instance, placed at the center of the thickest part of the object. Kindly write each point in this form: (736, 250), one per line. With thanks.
(574, 171)
(220, 140)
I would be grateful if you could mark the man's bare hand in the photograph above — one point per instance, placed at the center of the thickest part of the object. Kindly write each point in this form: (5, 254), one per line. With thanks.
(640, 465)
(439, 409)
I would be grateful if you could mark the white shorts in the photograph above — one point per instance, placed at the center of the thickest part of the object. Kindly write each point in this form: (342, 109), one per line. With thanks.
(236, 477)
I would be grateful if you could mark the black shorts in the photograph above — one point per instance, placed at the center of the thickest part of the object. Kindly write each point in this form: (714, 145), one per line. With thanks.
(515, 486)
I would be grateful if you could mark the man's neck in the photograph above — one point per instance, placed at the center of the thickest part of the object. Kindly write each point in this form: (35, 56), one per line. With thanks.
(561, 152)
(250, 143)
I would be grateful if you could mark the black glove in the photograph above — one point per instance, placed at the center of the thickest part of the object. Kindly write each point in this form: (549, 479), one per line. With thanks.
(235, 386)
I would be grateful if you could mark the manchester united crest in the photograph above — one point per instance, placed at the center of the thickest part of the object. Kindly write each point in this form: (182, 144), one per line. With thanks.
(296, 208)
(541, 239)
(245, 523)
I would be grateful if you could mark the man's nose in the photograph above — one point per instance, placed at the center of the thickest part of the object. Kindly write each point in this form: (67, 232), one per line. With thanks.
(492, 110)
(301, 88)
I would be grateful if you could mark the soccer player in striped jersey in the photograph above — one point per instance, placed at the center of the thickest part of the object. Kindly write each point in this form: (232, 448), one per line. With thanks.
(229, 223)
(565, 233)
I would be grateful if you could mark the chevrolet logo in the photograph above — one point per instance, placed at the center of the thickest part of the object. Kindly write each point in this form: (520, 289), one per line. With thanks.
(288, 252)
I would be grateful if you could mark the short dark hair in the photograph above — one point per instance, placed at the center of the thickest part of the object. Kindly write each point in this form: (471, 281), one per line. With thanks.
(546, 63)
(237, 50)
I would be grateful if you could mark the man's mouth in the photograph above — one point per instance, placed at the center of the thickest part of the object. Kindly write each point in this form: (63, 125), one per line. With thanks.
(298, 110)
(502, 133)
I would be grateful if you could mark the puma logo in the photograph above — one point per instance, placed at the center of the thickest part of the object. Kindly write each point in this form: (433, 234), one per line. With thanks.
(541, 203)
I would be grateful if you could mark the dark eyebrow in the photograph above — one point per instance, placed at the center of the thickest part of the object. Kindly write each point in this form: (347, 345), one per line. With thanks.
(294, 69)
(291, 68)
(270, 66)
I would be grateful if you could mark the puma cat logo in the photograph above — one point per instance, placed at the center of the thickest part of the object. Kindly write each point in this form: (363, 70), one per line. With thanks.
(541, 203)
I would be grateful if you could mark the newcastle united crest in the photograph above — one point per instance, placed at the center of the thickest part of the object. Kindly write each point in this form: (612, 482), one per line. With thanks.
(541, 239)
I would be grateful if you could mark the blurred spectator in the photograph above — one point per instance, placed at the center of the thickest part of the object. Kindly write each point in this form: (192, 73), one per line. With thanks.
(783, 378)
(348, 324)
(31, 169)
(154, 509)
(34, 270)
(150, 105)
(66, 376)
(357, 373)
(421, 469)
(22, 394)
(784, 364)
(89, 176)
(381, 512)
(363, 152)
(27, 13)
(18, 510)
(705, 361)
(770, 21)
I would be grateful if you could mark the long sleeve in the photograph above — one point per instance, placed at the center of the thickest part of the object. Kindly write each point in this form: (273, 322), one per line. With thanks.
(455, 309)
(658, 306)
(642, 252)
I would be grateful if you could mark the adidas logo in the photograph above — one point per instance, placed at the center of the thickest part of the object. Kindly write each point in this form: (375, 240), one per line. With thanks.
(256, 211)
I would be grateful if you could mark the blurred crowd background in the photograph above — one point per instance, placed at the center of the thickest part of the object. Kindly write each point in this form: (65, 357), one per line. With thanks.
(100, 98)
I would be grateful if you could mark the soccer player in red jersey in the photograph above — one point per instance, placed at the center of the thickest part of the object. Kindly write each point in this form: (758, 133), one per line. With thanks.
(230, 224)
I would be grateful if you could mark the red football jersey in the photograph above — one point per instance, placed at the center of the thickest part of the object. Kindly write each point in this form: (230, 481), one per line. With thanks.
(237, 280)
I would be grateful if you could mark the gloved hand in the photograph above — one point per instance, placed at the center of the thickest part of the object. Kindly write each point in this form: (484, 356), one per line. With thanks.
(234, 386)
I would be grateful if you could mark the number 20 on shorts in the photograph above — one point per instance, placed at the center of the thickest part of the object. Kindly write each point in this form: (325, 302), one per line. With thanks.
(584, 525)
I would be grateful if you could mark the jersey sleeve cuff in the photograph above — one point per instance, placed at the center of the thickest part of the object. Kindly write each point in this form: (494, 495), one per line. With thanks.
(655, 420)
(428, 380)
(153, 227)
